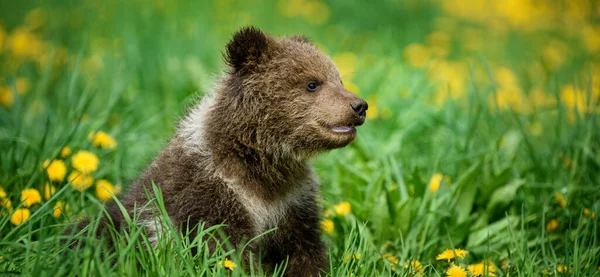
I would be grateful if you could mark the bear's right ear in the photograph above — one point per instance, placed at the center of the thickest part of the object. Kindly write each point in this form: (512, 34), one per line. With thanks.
(246, 49)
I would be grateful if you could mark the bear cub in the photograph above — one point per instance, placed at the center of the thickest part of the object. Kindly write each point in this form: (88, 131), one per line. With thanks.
(241, 156)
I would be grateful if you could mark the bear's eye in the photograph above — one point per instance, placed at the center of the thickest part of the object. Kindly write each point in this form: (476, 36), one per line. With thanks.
(312, 86)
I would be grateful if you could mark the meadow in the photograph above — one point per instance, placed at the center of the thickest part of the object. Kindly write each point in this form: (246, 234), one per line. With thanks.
(480, 155)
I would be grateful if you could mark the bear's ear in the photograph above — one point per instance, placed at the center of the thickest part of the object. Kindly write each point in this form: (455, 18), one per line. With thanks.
(246, 48)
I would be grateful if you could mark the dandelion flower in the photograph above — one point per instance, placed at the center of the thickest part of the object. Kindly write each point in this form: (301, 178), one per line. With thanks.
(103, 140)
(20, 216)
(3, 193)
(327, 226)
(390, 258)
(49, 190)
(229, 264)
(560, 200)
(415, 265)
(448, 254)
(58, 208)
(6, 96)
(56, 170)
(342, 208)
(480, 269)
(5, 202)
(30, 197)
(552, 225)
(80, 181)
(434, 183)
(417, 55)
(104, 189)
(456, 271)
(354, 257)
(85, 161)
(65, 152)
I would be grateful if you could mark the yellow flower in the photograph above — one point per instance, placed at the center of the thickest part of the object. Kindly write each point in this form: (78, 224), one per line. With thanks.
(229, 264)
(80, 181)
(59, 208)
(563, 268)
(6, 96)
(415, 265)
(3, 193)
(448, 254)
(354, 257)
(49, 190)
(65, 152)
(440, 43)
(591, 38)
(417, 55)
(103, 140)
(20, 216)
(552, 225)
(586, 211)
(573, 98)
(434, 183)
(560, 200)
(373, 111)
(456, 271)
(85, 161)
(30, 197)
(5, 202)
(2, 38)
(328, 226)
(22, 85)
(480, 269)
(390, 258)
(24, 43)
(56, 170)
(342, 208)
(104, 189)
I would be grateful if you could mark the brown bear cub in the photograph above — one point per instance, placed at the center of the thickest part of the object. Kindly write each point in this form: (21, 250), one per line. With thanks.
(241, 156)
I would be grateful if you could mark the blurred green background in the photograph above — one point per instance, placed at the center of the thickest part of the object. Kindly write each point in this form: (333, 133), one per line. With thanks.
(482, 131)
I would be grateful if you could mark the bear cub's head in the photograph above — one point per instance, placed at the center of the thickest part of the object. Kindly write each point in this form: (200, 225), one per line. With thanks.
(290, 93)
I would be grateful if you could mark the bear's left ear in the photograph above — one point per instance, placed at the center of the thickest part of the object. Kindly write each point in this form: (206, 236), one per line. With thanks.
(246, 49)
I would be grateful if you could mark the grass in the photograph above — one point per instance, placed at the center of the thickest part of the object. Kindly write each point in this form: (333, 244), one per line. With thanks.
(478, 137)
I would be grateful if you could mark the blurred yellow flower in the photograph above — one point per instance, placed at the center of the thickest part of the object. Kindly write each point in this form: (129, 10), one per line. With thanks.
(80, 181)
(434, 183)
(415, 265)
(590, 36)
(346, 63)
(417, 55)
(373, 110)
(390, 258)
(560, 200)
(35, 18)
(23, 43)
(328, 226)
(59, 208)
(456, 271)
(351, 87)
(342, 208)
(354, 257)
(573, 98)
(103, 140)
(65, 152)
(2, 193)
(586, 211)
(449, 78)
(104, 189)
(19, 216)
(552, 225)
(56, 170)
(440, 43)
(22, 85)
(49, 190)
(85, 161)
(554, 55)
(229, 264)
(541, 99)
(448, 254)
(480, 269)
(2, 38)
(6, 203)
(30, 197)
(315, 11)
(6, 96)
(563, 269)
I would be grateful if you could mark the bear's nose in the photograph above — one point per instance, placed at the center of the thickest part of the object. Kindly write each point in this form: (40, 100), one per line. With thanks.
(360, 107)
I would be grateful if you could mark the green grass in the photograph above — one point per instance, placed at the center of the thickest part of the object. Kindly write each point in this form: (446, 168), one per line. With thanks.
(506, 159)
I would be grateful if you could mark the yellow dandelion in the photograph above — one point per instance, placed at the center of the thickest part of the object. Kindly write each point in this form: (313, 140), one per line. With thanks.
(30, 197)
(417, 55)
(355, 256)
(59, 208)
(103, 140)
(315, 12)
(104, 189)
(552, 225)
(85, 161)
(3, 193)
(80, 181)
(24, 43)
(563, 269)
(390, 258)
(56, 170)
(6, 96)
(560, 200)
(342, 208)
(373, 111)
(480, 269)
(2, 37)
(49, 190)
(586, 211)
(65, 152)
(434, 183)
(5, 202)
(328, 226)
(448, 254)
(456, 271)
(414, 265)
(19, 216)
(229, 264)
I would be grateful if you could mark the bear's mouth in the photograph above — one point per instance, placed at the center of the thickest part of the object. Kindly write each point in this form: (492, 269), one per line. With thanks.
(343, 129)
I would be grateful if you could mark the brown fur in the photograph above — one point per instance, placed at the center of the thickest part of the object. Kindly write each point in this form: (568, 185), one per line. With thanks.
(240, 158)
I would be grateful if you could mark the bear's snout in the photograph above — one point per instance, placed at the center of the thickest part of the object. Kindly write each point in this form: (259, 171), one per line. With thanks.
(360, 107)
